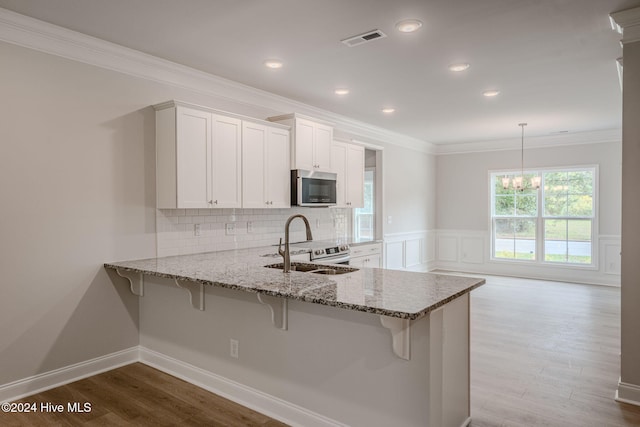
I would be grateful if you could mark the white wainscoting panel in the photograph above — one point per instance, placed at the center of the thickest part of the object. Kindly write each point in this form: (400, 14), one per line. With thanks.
(429, 252)
(472, 250)
(447, 248)
(610, 248)
(394, 255)
(469, 251)
(412, 252)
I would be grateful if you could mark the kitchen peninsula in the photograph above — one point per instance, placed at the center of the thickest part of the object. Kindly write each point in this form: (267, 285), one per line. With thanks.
(368, 347)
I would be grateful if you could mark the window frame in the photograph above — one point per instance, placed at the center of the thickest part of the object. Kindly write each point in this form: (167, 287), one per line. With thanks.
(354, 220)
(540, 219)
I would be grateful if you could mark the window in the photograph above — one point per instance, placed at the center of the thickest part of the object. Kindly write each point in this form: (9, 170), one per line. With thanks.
(554, 224)
(364, 223)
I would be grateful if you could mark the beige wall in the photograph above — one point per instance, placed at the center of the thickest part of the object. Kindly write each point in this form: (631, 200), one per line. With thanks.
(409, 191)
(463, 183)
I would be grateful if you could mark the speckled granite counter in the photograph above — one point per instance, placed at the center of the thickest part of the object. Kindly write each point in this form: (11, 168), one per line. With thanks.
(401, 294)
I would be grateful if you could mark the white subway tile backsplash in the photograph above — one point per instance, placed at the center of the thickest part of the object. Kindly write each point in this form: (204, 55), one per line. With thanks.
(175, 236)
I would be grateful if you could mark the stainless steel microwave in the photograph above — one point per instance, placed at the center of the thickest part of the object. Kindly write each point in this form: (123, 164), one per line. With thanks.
(312, 188)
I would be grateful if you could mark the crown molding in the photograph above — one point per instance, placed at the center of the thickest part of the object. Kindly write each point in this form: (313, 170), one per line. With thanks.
(547, 141)
(34, 34)
(629, 21)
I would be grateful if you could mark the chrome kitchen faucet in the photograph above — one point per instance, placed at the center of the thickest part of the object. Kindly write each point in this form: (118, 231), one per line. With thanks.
(286, 254)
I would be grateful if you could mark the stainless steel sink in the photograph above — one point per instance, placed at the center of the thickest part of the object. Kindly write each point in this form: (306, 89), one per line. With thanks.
(314, 268)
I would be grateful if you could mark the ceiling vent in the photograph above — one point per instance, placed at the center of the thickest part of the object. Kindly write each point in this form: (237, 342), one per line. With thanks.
(369, 36)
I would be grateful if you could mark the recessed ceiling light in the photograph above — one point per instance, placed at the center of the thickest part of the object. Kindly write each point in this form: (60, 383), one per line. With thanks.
(408, 25)
(491, 93)
(341, 91)
(459, 67)
(388, 110)
(273, 63)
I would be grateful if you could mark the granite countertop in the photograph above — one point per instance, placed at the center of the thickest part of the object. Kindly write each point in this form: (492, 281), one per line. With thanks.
(402, 294)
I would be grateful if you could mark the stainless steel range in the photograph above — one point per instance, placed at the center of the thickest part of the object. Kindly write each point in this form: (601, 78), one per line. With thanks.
(326, 252)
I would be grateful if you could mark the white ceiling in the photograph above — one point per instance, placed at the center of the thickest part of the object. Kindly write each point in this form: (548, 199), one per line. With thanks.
(554, 61)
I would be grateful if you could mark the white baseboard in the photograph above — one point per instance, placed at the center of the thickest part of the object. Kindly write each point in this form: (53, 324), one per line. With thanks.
(628, 393)
(56, 378)
(264, 403)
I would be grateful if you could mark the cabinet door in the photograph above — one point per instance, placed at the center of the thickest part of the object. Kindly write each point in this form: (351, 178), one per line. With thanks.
(254, 138)
(323, 139)
(339, 164)
(278, 169)
(226, 162)
(355, 176)
(193, 158)
(374, 261)
(303, 147)
(358, 262)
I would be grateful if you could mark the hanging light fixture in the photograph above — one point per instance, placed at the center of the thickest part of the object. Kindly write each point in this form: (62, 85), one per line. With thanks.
(518, 181)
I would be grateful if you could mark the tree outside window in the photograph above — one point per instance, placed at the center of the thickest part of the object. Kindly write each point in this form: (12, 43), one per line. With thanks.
(554, 224)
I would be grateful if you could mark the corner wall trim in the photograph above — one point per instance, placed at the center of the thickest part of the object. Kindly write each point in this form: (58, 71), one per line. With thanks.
(257, 400)
(58, 377)
(628, 393)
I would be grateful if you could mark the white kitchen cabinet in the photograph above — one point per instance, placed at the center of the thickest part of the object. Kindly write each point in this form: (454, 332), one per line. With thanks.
(310, 142)
(348, 164)
(266, 179)
(198, 158)
(368, 255)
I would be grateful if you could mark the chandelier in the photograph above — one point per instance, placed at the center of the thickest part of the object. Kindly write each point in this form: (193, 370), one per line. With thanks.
(518, 181)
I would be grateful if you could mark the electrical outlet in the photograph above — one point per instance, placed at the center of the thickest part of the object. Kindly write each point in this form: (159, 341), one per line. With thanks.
(230, 228)
(234, 344)
(389, 219)
(249, 226)
(196, 229)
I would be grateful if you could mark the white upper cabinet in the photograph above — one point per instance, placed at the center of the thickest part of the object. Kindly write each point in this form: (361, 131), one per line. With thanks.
(310, 142)
(198, 158)
(226, 160)
(348, 164)
(265, 166)
(278, 171)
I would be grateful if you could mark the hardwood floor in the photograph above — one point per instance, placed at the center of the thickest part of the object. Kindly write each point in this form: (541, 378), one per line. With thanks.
(542, 354)
(137, 395)
(546, 354)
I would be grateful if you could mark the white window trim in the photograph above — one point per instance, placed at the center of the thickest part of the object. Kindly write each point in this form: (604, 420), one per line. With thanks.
(354, 233)
(595, 234)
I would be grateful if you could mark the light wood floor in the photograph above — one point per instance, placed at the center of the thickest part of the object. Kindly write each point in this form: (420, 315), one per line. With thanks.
(546, 354)
(542, 354)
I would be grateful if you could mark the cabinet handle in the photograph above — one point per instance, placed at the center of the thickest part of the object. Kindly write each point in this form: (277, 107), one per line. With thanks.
(215, 202)
(266, 203)
(271, 202)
